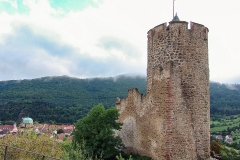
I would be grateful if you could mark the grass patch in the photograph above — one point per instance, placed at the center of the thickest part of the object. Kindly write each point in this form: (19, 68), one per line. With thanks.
(225, 122)
(221, 128)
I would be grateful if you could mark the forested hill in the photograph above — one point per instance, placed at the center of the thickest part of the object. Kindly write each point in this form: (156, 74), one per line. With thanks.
(64, 99)
(224, 98)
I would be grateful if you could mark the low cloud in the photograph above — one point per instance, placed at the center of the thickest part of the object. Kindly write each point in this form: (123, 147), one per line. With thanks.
(25, 54)
(111, 43)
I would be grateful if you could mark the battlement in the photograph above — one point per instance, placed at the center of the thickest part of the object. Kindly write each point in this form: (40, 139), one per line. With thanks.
(198, 26)
(158, 28)
(180, 27)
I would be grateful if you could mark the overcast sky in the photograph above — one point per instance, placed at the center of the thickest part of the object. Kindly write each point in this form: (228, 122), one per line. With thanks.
(103, 38)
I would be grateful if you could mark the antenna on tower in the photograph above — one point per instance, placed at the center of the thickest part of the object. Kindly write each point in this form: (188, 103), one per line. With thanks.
(175, 16)
(173, 8)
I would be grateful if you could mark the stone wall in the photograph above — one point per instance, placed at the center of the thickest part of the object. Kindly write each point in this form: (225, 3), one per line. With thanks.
(172, 121)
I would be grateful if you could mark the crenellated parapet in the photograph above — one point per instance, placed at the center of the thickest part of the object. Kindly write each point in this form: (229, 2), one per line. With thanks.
(180, 27)
(199, 30)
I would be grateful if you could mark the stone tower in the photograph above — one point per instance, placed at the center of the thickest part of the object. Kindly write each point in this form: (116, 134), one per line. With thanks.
(172, 121)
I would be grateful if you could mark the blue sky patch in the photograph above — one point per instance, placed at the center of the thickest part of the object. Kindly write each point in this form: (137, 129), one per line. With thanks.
(11, 8)
(74, 5)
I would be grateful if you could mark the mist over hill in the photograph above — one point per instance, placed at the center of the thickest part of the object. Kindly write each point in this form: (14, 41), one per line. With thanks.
(64, 99)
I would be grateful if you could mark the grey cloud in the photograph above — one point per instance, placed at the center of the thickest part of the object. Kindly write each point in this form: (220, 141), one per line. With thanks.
(18, 57)
(127, 48)
(24, 37)
(109, 67)
(21, 57)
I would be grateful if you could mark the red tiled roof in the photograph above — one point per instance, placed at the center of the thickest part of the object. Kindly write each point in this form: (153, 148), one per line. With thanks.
(67, 130)
(219, 137)
(7, 127)
(67, 127)
(62, 135)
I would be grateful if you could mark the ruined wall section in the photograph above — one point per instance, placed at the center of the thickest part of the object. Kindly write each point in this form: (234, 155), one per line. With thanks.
(172, 121)
(157, 124)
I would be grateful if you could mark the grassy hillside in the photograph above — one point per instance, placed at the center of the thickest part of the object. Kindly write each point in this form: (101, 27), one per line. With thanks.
(64, 99)
(225, 123)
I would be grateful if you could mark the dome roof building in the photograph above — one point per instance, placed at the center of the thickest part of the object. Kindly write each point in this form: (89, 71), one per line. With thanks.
(27, 120)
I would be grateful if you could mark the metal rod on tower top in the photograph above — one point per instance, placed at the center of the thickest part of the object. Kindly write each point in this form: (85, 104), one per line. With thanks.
(173, 8)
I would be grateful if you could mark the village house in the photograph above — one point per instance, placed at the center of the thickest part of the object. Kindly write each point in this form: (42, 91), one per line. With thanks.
(27, 122)
(52, 129)
(8, 129)
(61, 136)
(219, 137)
(229, 139)
(67, 129)
(45, 128)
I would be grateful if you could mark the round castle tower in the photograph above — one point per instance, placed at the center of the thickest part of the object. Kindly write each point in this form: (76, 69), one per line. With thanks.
(188, 48)
(179, 56)
(172, 121)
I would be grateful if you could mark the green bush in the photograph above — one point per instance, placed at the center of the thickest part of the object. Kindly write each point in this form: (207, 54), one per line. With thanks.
(96, 131)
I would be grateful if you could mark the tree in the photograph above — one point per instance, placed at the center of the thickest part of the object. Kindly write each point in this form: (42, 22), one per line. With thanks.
(216, 146)
(229, 154)
(96, 132)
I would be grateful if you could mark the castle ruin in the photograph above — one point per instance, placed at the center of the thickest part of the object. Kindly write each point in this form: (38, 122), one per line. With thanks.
(172, 121)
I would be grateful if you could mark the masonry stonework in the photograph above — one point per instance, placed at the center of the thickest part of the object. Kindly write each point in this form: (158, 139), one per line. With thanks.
(172, 121)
